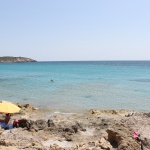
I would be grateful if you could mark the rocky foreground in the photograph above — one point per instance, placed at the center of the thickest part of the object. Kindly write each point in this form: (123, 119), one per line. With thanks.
(93, 130)
(15, 59)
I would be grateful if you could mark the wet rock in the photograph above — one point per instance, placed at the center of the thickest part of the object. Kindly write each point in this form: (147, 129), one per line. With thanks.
(23, 123)
(25, 108)
(147, 114)
(68, 130)
(51, 126)
(129, 114)
(95, 112)
(109, 112)
(33, 125)
(50, 123)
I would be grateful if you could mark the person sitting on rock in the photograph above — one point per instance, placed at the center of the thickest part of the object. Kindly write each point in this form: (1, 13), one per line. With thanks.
(3, 123)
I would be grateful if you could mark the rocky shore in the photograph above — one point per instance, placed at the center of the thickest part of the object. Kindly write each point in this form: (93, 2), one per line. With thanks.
(15, 59)
(92, 130)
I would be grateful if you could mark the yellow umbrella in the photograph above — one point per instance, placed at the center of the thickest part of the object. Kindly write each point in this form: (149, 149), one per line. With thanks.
(7, 107)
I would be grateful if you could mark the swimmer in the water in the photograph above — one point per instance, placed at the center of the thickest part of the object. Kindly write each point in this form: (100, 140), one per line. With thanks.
(52, 80)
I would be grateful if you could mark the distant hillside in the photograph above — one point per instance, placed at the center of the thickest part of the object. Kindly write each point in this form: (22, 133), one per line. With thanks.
(15, 59)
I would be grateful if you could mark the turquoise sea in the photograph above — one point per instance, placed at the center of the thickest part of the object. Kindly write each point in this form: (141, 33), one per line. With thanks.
(78, 85)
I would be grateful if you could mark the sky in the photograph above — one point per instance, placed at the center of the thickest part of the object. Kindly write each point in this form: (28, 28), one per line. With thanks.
(75, 30)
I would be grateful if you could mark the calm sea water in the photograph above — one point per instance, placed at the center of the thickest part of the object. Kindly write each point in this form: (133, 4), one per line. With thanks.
(78, 85)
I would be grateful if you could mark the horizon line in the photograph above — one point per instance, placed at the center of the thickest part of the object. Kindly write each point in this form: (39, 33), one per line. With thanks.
(83, 60)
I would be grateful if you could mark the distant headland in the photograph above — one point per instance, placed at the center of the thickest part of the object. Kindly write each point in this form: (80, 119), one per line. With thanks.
(15, 59)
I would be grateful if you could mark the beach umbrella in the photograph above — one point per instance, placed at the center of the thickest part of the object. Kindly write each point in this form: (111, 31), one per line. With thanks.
(8, 107)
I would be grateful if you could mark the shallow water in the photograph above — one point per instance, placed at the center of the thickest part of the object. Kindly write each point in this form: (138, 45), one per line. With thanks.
(78, 85)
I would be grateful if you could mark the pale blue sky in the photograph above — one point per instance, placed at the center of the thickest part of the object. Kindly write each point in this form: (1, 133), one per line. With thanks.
(75, 29)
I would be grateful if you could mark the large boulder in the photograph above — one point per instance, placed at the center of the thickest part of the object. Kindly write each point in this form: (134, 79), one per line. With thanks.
(24, 123)
(33, 125)
(120, 137)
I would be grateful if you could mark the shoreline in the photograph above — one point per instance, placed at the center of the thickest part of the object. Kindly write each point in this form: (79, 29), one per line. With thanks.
(79, 110)
(49, 130)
